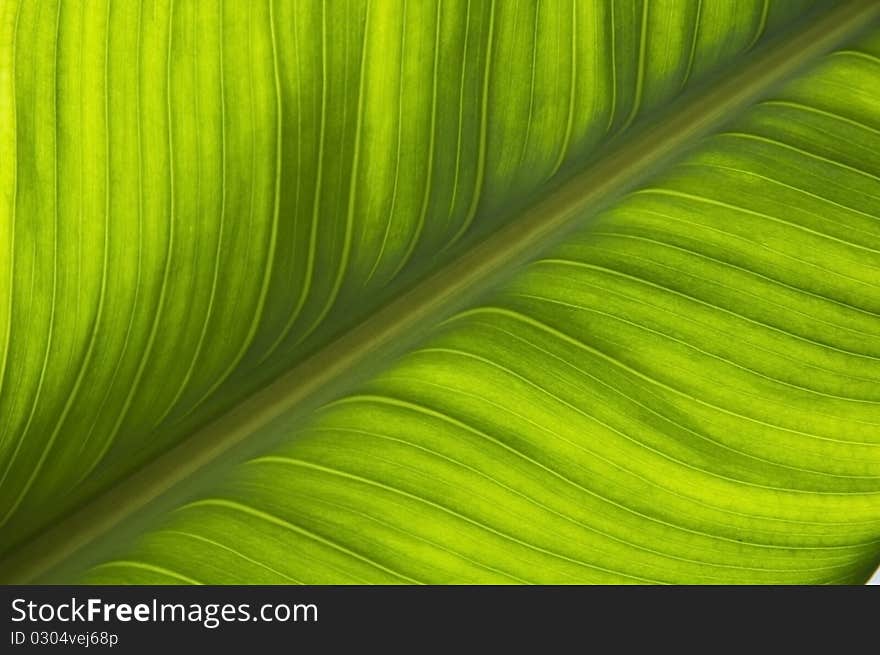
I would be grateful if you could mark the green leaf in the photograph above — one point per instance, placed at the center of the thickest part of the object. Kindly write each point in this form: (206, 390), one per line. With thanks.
(322, 292)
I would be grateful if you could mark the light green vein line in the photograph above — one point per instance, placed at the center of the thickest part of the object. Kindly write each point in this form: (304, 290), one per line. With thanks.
(399, 138)
(461, 95)
(217, 544)
(145, 566)
(316, 203)
(758, 298)
(428, 411)
(762, 25)
(460, 463)
(294, 27)
(268, 267)
(315, 498)
(785, 333)
(674, 390)
(49, 337)
(352, 188)
(13, 200)
(640, 73)
(652, 393)
(668, 420)
(604, 498)
(806, 153)
(275, 520)
(5, 427)
(569, 124)
(820, 112)
(708, 354)
(215, 275)
(775, 282)
(302, 556)
(134, 387)
(357, 478)
(858, 54)
(776, 182)
(93, 337)
(746, 210)
(484, 129)
(693, 51)
(533, 69)
(755, 244)
(449, 510)
(88, 468)
(612, 69)
(429, 157)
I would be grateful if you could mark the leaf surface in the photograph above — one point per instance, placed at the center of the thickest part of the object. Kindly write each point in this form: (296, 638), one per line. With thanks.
(685, 389)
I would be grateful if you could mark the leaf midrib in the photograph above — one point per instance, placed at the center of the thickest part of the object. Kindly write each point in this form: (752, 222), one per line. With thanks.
(398, 323)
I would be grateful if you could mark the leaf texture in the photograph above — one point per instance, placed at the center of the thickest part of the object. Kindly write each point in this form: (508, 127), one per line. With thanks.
(201, 195)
